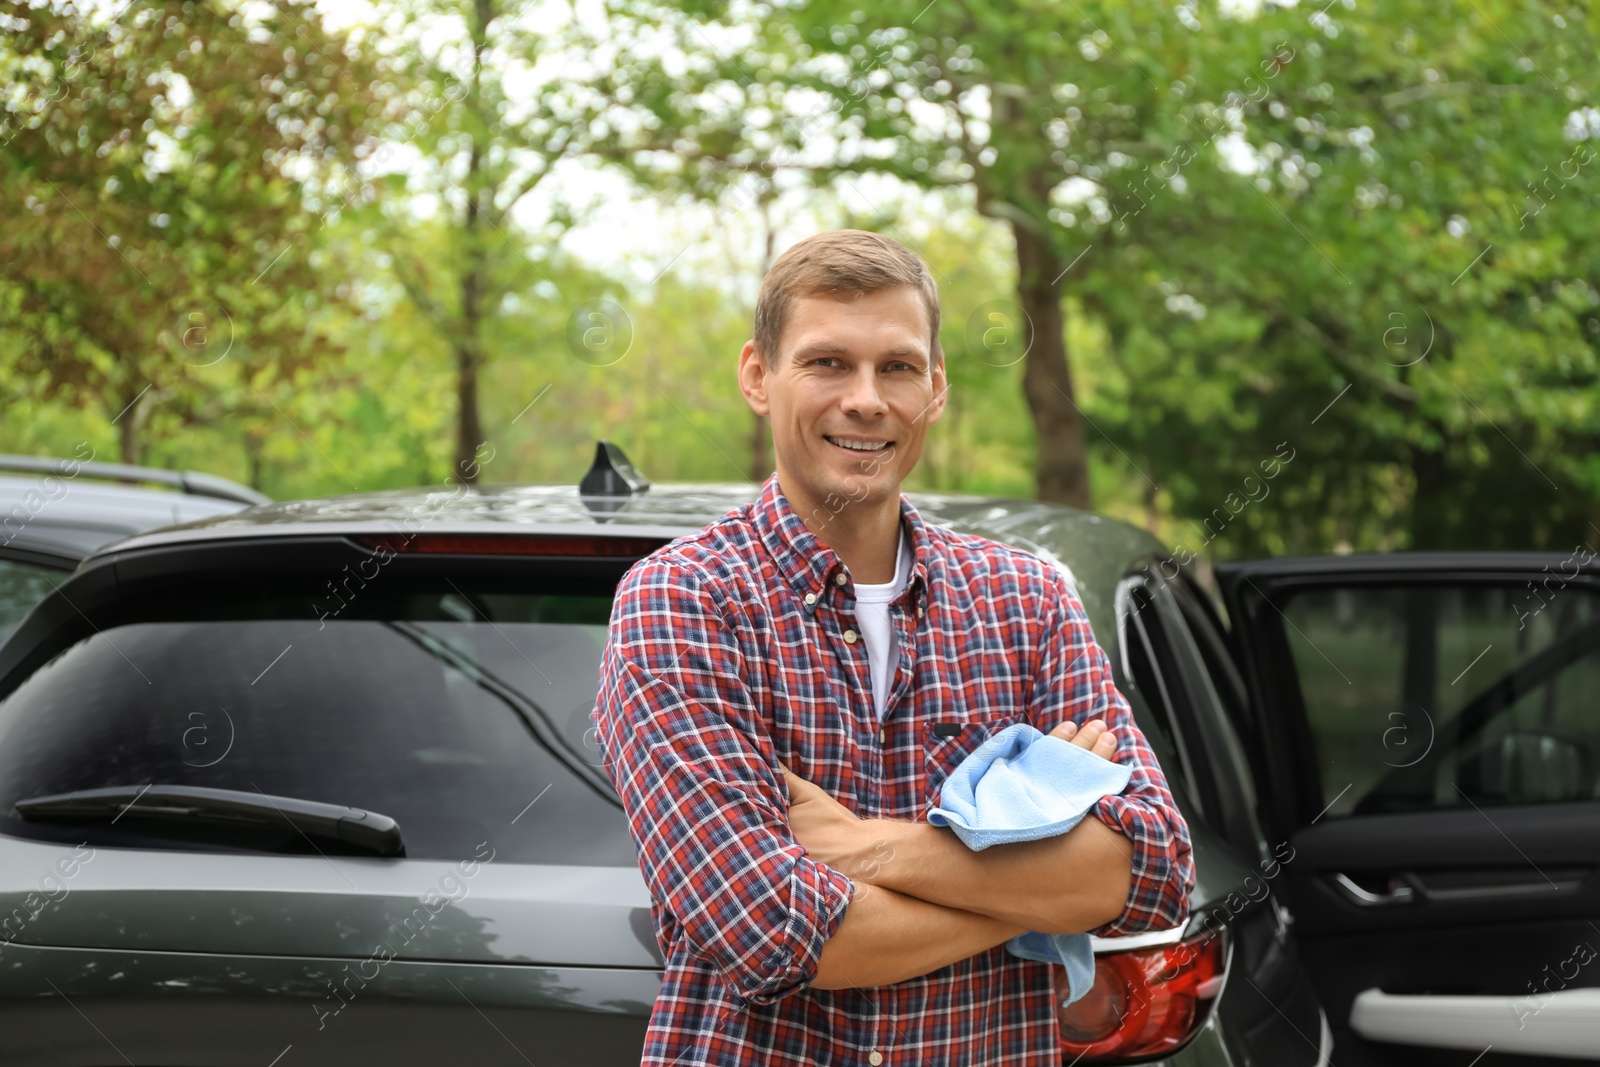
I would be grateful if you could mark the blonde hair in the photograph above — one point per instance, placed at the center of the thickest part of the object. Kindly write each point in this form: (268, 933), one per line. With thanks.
(840, 261)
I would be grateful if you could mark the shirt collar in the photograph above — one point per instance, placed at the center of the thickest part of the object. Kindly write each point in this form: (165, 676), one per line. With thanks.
(811, 567)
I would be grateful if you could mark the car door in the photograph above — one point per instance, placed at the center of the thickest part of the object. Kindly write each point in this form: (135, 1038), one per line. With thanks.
(1176, 663)
(1424, 729)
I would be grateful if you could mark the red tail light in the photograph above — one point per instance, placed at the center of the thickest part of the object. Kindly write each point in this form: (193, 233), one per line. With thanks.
(1144, 1002)
(514, 544)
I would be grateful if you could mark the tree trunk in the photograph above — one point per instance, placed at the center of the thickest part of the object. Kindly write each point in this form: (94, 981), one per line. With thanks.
(469, 428)
(1061, 473)
(127, 440)
(469, 346)
(1429, 517)
(761, 463)
(253, 444)
(128, 427)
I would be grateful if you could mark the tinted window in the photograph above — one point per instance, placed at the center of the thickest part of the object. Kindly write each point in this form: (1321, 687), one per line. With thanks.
(1171, 665)
(464, 722)
(1435, 695)
(22, 585)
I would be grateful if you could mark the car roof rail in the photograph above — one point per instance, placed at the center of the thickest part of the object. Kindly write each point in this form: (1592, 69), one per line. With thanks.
(194, 483)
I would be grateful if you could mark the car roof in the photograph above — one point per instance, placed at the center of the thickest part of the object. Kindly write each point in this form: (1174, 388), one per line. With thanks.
(1094, 550)
(39, 517)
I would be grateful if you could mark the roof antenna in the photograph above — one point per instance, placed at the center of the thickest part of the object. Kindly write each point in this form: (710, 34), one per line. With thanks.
(611, 474)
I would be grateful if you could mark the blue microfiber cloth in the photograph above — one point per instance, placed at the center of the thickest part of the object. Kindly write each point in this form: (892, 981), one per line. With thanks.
(1023, 785)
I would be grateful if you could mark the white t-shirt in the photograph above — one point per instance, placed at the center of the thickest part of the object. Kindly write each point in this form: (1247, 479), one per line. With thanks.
(872, 615)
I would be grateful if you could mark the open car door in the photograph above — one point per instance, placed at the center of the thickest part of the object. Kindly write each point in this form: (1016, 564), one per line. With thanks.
(1424, 730)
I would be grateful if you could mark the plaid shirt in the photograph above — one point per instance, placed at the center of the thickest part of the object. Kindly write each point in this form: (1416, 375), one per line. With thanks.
(734, 649)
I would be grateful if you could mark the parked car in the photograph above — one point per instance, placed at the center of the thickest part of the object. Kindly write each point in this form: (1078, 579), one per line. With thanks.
(63, 510)
(316, 783)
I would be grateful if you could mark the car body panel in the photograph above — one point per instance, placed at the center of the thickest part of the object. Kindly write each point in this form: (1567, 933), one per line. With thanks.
(332, 906)
(61, 1007)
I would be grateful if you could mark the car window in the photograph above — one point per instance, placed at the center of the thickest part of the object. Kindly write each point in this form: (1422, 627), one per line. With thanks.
(1149, 671)
(461, 714)
(22, 585)
(1177, 671)
(1431, 695)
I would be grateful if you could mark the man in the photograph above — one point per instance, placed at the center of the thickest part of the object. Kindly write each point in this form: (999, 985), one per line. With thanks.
(783, 693)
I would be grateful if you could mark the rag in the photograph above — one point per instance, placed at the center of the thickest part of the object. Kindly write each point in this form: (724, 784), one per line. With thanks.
(1024, 785)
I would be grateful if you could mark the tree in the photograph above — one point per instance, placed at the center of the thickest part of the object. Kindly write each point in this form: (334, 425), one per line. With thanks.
(495, 95)
(975, 95)
(164, 175)
(1404, 292)
(1208, 186)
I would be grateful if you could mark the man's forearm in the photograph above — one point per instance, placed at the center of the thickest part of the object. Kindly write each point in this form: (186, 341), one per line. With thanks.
(887, 937)
(1059, 885)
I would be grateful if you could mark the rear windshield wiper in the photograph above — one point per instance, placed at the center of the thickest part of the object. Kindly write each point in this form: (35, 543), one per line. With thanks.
(191, 804)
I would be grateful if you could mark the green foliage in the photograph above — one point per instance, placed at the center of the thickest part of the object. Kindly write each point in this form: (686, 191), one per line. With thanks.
(1270, 208)
(1389, 256)
(156, 169)
(1361, 239)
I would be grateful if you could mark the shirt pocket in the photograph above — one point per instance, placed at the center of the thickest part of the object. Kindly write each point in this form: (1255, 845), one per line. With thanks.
(946, 744)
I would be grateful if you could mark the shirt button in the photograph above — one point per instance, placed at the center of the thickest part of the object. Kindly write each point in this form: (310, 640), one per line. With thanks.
(811, 598)
(840, 578)
(850, 637)
(919, 611)
(875, 1059)
(883, 737)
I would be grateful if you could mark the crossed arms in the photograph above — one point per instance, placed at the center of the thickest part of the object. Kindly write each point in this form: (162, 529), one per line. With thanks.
(929, 901)
(777, 897)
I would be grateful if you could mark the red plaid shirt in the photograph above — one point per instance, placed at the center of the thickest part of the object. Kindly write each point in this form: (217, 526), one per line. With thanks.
(734, 649)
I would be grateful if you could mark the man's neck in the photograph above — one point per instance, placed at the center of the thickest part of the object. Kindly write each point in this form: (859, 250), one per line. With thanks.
(865, 536)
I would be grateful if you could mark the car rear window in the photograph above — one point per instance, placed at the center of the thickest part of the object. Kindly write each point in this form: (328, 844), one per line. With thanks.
(460, 713)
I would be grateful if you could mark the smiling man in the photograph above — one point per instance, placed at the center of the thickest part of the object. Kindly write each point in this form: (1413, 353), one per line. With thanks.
(783, 694)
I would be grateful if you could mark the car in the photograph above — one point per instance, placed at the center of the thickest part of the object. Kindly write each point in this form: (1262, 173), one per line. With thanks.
(317, 783)
(63, 511)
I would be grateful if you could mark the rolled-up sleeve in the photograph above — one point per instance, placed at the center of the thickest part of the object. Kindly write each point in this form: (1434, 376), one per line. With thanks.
(708, 813)
(1075, 683)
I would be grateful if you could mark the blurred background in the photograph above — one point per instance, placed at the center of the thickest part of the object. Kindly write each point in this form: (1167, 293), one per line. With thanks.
(1263, 278)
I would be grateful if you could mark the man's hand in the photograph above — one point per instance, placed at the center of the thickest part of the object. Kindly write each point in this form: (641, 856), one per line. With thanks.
(1094, 736)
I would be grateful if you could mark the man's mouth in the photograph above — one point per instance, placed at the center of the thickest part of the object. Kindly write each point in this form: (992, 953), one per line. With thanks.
(862, 445)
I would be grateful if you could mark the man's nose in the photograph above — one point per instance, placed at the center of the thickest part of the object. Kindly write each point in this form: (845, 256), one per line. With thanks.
(862, 394)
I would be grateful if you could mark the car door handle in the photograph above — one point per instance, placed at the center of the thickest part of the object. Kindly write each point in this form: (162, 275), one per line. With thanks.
(1396, 894)
(1410, 888)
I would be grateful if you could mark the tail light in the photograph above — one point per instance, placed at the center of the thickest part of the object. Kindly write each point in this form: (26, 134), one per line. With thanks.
(1144, 1002)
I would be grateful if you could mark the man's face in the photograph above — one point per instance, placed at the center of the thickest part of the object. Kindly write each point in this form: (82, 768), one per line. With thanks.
(850, 370)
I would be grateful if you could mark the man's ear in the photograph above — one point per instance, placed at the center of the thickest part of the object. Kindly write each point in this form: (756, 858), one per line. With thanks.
(941, 389)
(753, 379)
